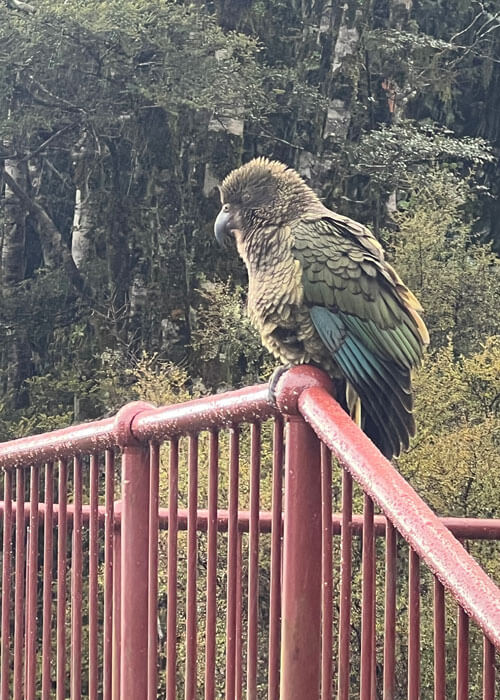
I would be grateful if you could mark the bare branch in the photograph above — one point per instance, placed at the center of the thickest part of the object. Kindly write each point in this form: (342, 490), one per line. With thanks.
(25, 157)
(22, 6)
(57, 100)
(48, 141)
(466, 29)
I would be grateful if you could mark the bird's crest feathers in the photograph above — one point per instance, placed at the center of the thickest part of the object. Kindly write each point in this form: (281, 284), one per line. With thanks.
(262, 180)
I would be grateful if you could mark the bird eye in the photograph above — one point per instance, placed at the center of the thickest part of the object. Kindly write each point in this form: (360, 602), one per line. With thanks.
(225, 207)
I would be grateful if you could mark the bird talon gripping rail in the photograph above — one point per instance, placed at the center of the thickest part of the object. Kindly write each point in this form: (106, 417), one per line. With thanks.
(175, 581)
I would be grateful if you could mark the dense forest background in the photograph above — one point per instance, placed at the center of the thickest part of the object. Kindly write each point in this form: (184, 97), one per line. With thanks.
(118, 119)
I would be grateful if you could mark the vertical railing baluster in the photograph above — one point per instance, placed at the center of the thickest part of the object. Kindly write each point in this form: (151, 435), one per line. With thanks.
(390, 610)
(133, 570)
(154, 481)
(326, 574)
(275, 584)
(109, 498)
(76, 583)
(439, 641)
(414, 627)
(48, 543)
(93, 565)
(345, 587)
(19, 592)
(117, 609)
(238, 623)
(232, 548)
(6, 586)
(210, 641)
(62, 535)
(462, 654)
(253, 562)
(368, 593)
(173, 498)
(192, 563)
(488, 669)
(32, 598)
(374, 622)
(301, 609)
(26, 605)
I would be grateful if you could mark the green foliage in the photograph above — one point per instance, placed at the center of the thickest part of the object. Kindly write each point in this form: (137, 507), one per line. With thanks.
(224, 342)
(453, 461)
(394, 155)
(455, 456)
(455, 277)
(398, 43)
(117, 98)
(120, 56)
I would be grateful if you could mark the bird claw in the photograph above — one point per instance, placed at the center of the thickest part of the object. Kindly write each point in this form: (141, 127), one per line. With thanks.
(273, 382)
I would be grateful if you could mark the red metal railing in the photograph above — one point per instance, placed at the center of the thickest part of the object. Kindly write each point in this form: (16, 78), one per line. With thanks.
(174, 580)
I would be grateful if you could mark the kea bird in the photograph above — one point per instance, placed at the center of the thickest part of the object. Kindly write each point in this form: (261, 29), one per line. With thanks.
(321, 292)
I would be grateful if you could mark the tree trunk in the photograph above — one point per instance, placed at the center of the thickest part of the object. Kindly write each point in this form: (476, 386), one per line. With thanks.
(14, 234)
(55, 251)
(83, 229)
(343, 86)
(16, 349)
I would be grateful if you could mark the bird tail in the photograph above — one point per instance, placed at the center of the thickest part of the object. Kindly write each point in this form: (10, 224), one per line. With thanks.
(382, 385)
(353, 403)
(384, 391)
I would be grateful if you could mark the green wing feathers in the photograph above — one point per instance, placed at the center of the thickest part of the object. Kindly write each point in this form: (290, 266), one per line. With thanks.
(367, 319)
(384, 389)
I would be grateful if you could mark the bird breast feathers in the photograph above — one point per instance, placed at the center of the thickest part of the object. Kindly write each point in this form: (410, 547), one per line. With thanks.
(275, 294)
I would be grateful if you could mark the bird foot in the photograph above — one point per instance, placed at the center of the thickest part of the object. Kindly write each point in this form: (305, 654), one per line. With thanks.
(273, 382)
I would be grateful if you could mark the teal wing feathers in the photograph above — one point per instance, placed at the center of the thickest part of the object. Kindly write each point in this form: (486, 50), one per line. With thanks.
(366, 317)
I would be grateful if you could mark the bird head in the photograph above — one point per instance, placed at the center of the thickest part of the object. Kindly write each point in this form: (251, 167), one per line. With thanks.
(260, 192)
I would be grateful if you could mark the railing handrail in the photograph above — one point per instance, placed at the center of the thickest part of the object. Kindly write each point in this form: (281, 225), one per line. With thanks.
(471, 587)
(138, 421)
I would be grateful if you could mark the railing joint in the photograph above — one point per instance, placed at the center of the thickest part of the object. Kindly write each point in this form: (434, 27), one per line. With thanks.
(294, 382)
(124, 419)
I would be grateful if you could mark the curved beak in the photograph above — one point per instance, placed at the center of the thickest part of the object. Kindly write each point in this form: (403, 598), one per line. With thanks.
(221, 227)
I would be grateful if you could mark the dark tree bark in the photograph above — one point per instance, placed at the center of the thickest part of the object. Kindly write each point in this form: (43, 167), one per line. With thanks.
(15, 347)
